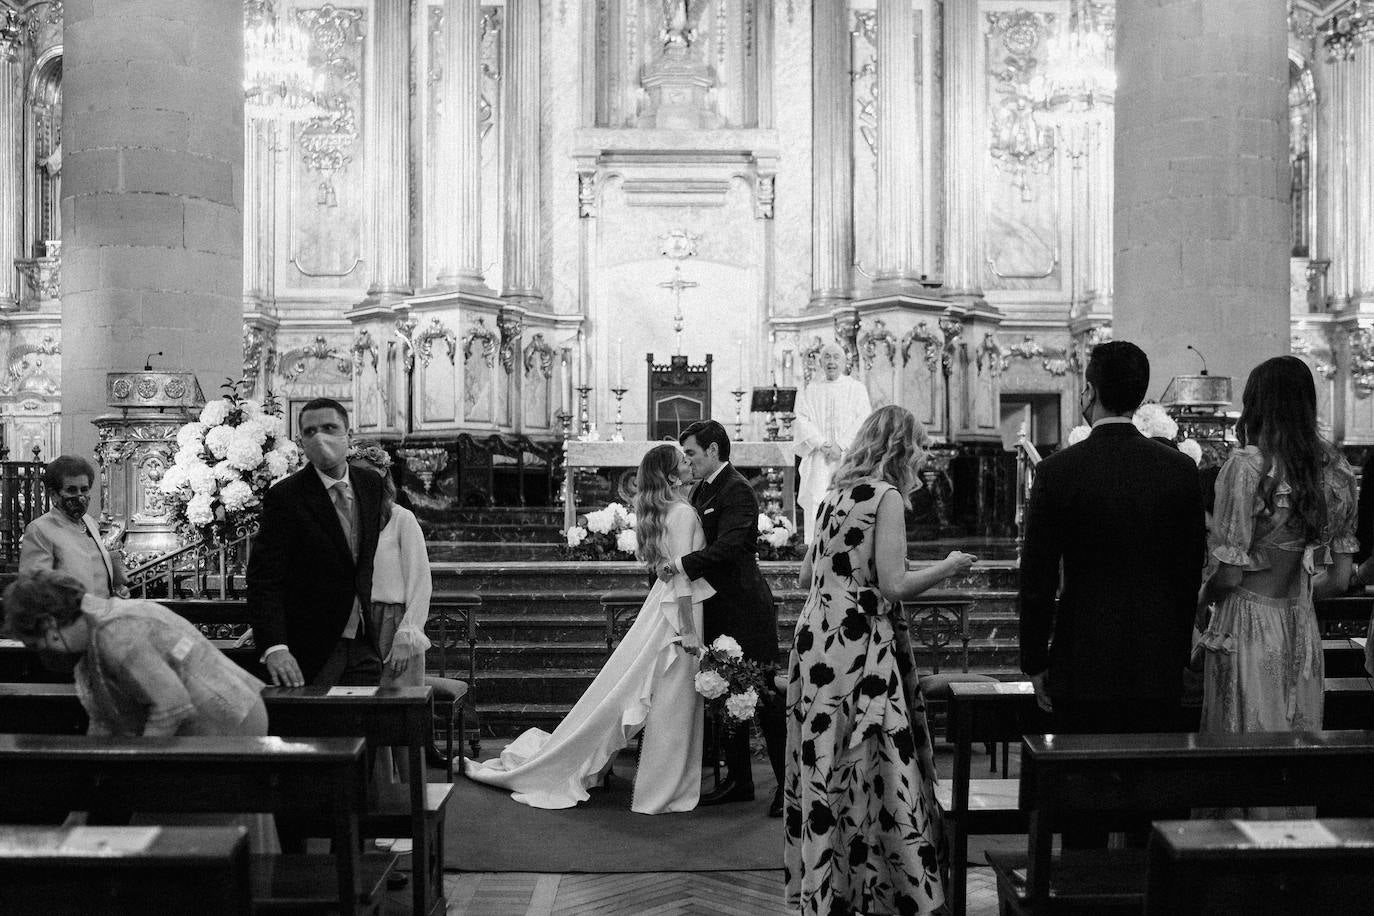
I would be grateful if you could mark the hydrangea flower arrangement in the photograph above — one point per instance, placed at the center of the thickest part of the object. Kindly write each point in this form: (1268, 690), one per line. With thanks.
(731, 684)
(1153, 421)
(225, 460)
(605, 534)
(778, 538)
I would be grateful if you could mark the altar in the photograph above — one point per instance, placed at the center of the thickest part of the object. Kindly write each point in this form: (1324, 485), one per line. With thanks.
(773, 461)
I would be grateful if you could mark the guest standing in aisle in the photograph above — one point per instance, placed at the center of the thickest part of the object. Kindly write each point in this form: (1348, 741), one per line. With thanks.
(65, 538)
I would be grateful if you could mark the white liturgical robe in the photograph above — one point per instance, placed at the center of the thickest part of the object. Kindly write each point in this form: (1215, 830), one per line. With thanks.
(826, 412)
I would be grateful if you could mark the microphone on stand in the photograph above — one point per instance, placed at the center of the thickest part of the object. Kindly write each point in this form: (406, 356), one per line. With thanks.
(1199, 356)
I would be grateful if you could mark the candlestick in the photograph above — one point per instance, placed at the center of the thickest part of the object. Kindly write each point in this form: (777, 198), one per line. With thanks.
(564, 423)
(584, 424)
(739, 413)
(619, 392)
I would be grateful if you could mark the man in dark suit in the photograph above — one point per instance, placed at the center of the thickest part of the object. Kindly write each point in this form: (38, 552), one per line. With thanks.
(1123, 515)
(310, 573)
(742, 606)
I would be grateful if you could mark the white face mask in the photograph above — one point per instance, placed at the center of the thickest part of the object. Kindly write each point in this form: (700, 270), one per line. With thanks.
(325, 450)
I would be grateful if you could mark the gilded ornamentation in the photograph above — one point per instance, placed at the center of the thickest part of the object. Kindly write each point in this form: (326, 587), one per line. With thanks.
(424, 463)
(991, 353)
(931, 341)
(847, 332)
(539, 356)
(1019, 143)
(435, 330)
(1053, 360)
(363, 346)
(877, 336)
(29, 371)
(42, 277)
(586, 194)
(318, 350)
(1302, 23)
(678, 244)
(511, 324)
(1361, 341)
(763, 196)
(122, 388)
(865, 78)
(1082, 346)
(259, 351)
(480, 332)
(491, 68)
(1323, 362)
(174, 388)
(953, 329)
(405, 334)
(810, 356)
(327, 141)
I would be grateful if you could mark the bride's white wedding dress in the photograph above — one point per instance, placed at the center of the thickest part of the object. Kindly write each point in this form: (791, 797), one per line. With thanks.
(647, 683)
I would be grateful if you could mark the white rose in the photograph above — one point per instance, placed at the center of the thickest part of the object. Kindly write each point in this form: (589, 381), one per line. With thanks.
(741, 706)
(217, 440)
(192, 434)
(215, 413)
(765, 523)
(1079, 433)
(600, 522)
(576, 535)
(173, 479)
(711, 685)
(626, 542)
(1191, 448)
(1151, 420)
(244, 453)
(236, 495)
(202, 480)
(277, 466)
(252, 429)
(198, 511)
(727, 645)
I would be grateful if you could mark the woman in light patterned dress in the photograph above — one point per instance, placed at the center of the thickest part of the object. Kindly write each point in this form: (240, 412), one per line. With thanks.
(863, 830)
(1283, 532)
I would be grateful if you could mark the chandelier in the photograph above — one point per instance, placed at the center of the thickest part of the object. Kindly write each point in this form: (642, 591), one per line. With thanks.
(1347, 29)
(1078, 84)
(279, 84)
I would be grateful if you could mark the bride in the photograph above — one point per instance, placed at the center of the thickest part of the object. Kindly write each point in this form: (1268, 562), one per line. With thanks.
(647, 683)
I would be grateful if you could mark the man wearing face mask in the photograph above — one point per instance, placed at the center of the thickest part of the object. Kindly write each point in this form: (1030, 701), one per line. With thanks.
(310, 573)
(65, 538)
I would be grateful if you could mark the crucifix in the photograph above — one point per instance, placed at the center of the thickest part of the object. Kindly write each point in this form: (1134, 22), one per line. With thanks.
(677, 285)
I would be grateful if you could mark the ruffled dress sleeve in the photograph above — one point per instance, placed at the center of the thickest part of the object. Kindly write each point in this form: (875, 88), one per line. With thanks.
(418, 584)
(1233, 517)
(684, 536)
(1342, 506)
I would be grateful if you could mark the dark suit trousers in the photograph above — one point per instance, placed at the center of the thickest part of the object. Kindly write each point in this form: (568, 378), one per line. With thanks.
(1105, 717)
(772, 725)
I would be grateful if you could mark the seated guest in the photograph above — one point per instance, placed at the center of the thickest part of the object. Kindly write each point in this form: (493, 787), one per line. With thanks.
(142, 670)
(65, 538)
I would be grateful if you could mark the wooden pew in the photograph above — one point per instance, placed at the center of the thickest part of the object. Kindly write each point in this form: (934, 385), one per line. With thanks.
(1349, 703)
(111, 777)
(1343, 657)
(1120, 780)
(1204, 868)
(390, 716)
(128, 871)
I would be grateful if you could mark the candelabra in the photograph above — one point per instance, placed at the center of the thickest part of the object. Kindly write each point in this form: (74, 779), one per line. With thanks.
(787, 421)
(564, 423)
(619, 393)
(739, 413)
(584, 416)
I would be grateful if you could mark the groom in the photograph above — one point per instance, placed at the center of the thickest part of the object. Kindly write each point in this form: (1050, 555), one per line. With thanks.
(742, 606)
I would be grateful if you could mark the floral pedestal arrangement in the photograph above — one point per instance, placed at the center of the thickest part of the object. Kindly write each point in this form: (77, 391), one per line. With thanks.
(609, 534)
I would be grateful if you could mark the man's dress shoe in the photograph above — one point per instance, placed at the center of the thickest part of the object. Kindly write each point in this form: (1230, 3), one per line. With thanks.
(775, 807)
(729, 791)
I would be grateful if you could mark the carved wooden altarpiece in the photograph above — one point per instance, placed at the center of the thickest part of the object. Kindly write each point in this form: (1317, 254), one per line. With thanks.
(679, 395)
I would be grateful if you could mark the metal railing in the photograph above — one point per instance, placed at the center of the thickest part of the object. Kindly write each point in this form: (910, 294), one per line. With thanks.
(1027, 457)
(198, 570)
(22, 499)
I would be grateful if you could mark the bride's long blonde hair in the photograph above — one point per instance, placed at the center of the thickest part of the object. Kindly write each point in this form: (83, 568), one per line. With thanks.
(654, 497)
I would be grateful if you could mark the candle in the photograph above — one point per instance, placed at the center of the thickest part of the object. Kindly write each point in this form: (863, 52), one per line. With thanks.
(741, 363)
(620, 362)
(581, 359)
(563, 380)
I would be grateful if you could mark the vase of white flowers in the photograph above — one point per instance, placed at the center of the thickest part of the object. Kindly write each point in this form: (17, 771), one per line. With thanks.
(225, 460)
(778, 538)
(605, 534)
(1154, 421)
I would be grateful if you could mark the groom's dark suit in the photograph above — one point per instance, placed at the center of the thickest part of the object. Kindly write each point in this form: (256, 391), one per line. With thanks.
(742, 606)
(302, 577)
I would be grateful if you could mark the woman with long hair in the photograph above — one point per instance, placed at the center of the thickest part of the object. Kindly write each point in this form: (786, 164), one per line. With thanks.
(1283, 532)
(648, 682)
(863, 827)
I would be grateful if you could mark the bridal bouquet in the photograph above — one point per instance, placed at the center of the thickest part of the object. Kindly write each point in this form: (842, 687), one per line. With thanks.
(224, 462)
(731, 684)
(606, 534)
(778, 538)
(1153, 421)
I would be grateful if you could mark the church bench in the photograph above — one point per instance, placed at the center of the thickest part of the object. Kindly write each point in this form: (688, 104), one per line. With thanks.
(936, 618)
(1204, 867)
(391, 716)
(1343, 657)
(1348, 703)
(1121, 780)
(75, 871)
(453, 618)
(111, 777)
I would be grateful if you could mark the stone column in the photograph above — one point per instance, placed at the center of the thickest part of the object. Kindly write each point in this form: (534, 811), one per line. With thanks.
(260, 144)
(964, 141)
(386, 126)
(1361, 214)
(520, 178)
(1337, 239)
(900, 238)
(152, 217)
(11, 177)
(1100, 195)
(1201, 223)
(832, 196)
(458, 195)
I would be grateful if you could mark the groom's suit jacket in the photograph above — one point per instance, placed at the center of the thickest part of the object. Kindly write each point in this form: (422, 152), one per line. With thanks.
(302, 577)
(742, 606)
(1123, 514)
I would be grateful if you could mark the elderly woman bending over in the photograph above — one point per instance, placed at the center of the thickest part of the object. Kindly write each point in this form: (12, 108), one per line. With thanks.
(141, 669)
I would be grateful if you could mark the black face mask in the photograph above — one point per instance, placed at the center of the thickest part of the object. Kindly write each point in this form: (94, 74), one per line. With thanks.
(74, 506)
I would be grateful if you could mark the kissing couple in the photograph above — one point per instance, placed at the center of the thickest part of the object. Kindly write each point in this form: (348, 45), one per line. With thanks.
(696, 524)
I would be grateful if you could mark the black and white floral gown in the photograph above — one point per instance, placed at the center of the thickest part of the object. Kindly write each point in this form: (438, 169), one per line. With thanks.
(863, 830)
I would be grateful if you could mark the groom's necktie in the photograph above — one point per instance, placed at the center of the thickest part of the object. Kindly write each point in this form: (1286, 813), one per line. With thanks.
(345, 506)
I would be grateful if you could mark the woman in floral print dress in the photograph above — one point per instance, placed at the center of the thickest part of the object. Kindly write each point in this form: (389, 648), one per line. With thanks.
(863, 830)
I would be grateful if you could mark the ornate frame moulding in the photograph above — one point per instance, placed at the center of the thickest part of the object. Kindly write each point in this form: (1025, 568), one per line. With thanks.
(537, 350)
(869, 340)
(1361, 343)
(435, 330)
(932, 341)
(511, 324)
(362, 345)
(489, 338)
(1054, 360)
(259, 348)
(319, 349)
(1321, 354)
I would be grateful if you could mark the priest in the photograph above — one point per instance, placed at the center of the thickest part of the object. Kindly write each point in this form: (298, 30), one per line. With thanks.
(829, 412)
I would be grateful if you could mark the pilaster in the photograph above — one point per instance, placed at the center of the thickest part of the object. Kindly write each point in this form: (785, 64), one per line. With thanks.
(520, 179)
(386, 131)
(963, 130)
(832, 206)
(11, 177)
(900, 236)
(458, 195)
